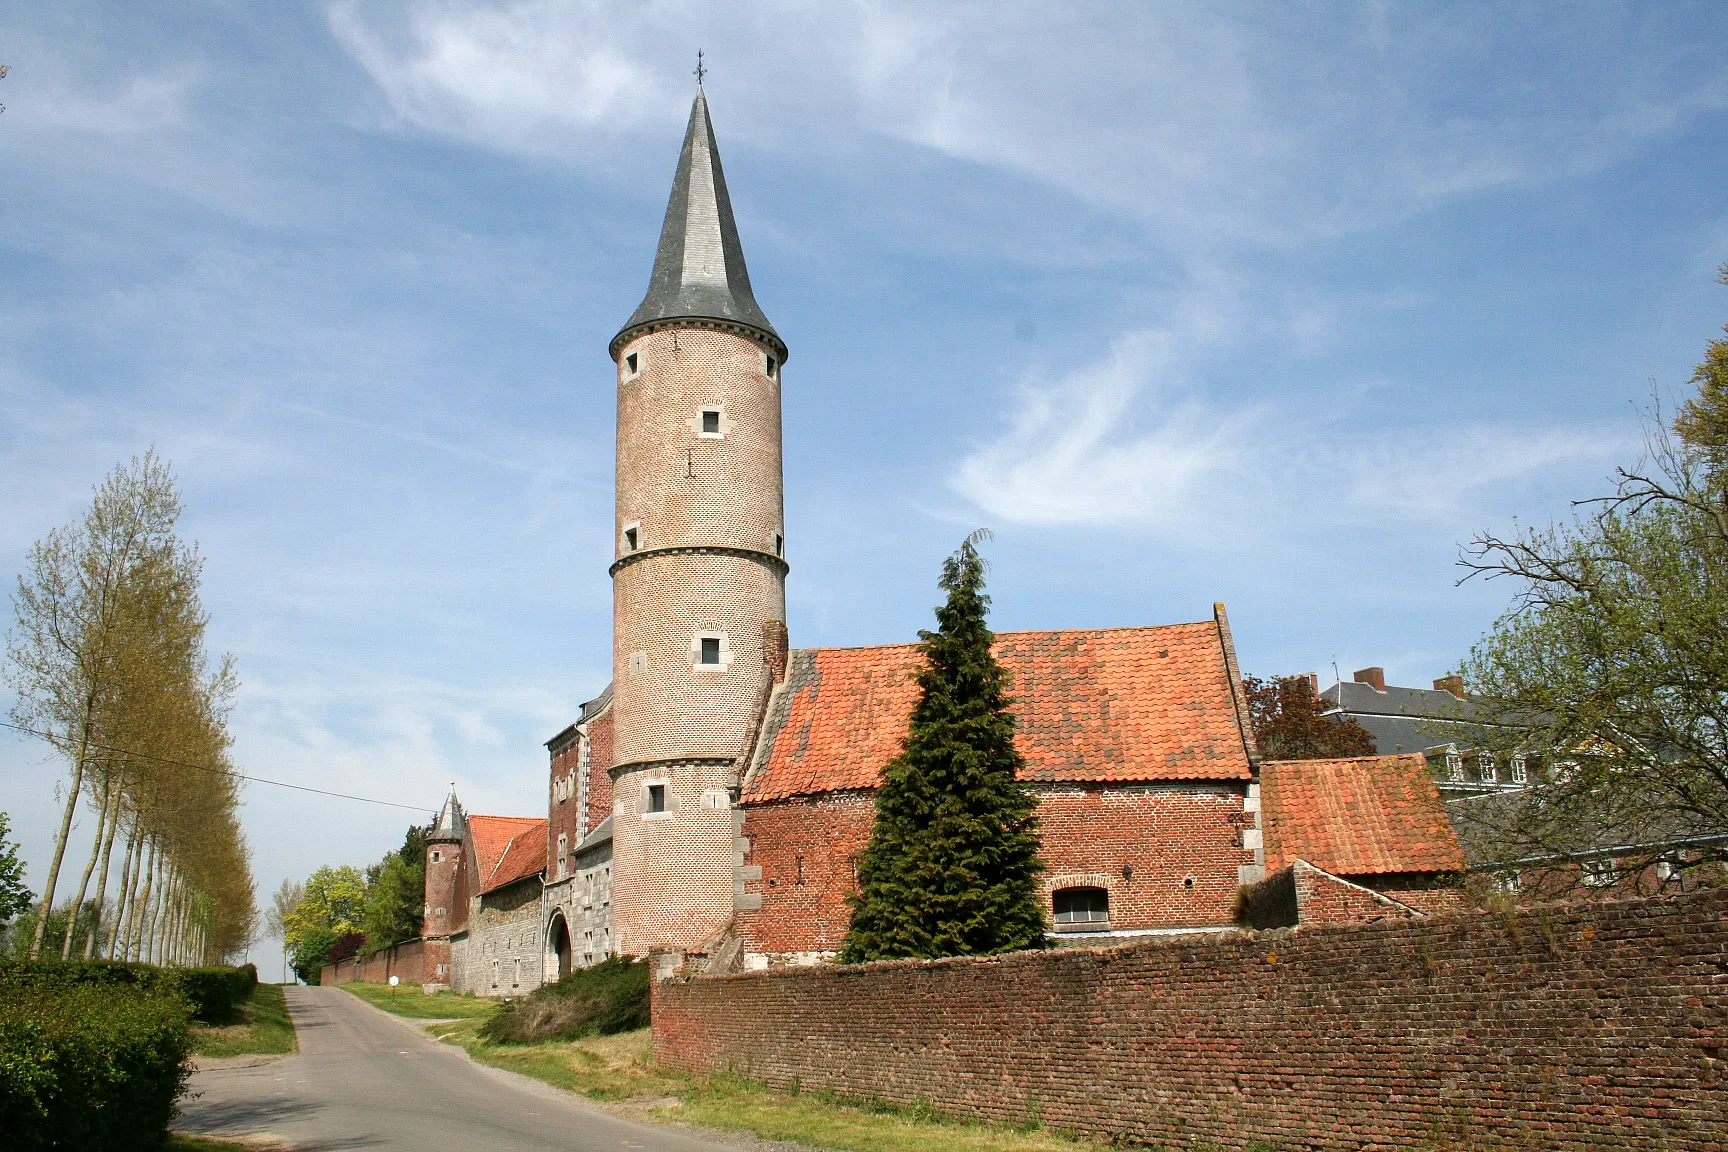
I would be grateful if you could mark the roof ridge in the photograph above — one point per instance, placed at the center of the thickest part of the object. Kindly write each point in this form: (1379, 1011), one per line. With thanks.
(1017, 632)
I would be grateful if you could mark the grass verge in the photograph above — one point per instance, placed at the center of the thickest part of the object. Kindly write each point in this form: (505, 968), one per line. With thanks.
(263, 1028)
(408, 1000)
(183, 1142)
(620, 1069)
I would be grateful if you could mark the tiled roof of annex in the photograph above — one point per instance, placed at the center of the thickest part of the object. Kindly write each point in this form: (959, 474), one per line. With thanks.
(1110, 704)
(507, 848)
(1367, 815)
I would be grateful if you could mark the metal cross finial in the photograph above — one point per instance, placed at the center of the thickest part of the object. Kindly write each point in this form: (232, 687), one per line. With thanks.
(701, 70)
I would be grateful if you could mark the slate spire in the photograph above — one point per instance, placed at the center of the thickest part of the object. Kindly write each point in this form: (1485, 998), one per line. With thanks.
(451, 822)
(699, 271)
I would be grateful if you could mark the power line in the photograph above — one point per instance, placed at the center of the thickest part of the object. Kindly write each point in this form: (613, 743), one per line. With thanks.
(229, 772)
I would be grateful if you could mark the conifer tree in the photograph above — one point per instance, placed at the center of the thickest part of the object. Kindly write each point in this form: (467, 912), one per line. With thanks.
(952, 867)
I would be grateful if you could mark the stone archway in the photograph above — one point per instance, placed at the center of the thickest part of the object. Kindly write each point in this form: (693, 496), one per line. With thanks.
(558, 943)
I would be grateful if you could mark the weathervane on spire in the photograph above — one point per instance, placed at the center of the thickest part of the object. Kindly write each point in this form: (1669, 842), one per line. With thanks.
(701, 70)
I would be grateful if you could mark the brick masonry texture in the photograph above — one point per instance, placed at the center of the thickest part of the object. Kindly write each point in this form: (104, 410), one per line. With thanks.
(1564, 1027)
(672, 871)
(1167, 855)
(406, 961)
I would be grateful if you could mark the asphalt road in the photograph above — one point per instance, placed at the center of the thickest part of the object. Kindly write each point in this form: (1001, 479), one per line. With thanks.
(366, 1080)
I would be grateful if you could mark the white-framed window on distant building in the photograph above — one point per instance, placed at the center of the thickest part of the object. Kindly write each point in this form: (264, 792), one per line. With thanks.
(516, 976)
(1599, 873)
(1454, 764)
(1520, 768)
(1486, 769)
(497, 967)
(563, 854)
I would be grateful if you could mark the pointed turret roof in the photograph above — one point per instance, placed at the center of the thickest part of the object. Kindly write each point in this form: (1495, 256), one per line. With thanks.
(452, 822)
(699, 271)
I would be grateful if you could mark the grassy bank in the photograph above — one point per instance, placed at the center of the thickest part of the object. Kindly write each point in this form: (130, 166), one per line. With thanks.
(408, 1000)
(263, 1027)
(619, 1069)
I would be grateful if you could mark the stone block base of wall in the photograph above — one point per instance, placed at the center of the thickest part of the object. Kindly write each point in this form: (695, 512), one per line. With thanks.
(1578, 1027)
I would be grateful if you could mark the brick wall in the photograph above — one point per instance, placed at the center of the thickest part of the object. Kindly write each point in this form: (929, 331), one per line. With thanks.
(599, 791)
(406, 960)
(1167, 854)
(563, 808)
(1581, 1027)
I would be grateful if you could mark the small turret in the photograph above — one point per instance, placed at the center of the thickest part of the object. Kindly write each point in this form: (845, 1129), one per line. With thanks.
(446, 905)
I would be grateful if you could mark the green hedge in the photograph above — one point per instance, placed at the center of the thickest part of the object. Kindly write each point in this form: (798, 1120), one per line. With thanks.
(212, 994)
(89, 1064)
(609, 997)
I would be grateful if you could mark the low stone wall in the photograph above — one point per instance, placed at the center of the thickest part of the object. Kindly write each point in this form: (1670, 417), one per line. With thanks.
(406, 960)
(1579, 1027)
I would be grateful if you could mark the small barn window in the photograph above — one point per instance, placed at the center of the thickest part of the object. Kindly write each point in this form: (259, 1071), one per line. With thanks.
(1081, 907)
(656, 797)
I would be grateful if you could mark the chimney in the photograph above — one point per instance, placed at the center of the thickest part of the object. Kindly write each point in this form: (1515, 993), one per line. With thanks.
(775, 644)
(1375, 678)
(1452, 684)
(1314, 683)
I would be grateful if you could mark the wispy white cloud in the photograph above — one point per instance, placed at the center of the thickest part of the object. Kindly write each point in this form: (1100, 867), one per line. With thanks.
(1264, 126)
(1133, 440)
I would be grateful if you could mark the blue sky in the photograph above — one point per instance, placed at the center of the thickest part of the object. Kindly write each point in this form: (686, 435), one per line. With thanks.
(1272, 304)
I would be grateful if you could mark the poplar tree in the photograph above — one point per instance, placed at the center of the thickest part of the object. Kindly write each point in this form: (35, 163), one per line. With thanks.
(952, 866)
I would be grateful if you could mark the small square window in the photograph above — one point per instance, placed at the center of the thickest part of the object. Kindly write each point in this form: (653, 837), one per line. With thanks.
(656, 797)
(436, 856)
(710, 650)
(711, 421)
(632, 539)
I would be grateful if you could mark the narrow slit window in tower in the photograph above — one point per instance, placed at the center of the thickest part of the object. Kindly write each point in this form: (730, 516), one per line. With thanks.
(768, 365)
(656, 797)
(710, 421)
(632, 538)
(630, 363)
(779, 544)
(709, 653)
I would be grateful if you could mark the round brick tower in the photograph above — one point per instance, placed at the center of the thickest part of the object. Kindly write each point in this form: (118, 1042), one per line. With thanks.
(446, 900)
(698, 584)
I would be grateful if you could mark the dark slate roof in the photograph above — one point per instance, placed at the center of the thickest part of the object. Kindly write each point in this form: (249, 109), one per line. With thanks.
(699, 271)
(1408, 719)
(451, 822)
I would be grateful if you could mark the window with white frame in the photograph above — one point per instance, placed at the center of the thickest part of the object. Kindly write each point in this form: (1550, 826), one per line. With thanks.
(710, 652)
(632, 365)
(633, 537)
(1485, 768)
(1599, 873)
(1520, 768)
(1454, 764)
(708, 424)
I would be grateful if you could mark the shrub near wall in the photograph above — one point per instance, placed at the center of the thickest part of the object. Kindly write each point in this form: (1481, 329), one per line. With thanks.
(89, 1065)
(1579, 1028)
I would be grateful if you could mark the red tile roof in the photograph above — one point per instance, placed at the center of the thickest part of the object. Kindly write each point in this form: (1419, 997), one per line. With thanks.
(1110, 704)
(507, 848)
(1363, 816)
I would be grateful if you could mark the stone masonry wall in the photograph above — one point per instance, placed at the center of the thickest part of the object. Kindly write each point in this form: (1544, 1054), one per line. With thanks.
(1579, 1027)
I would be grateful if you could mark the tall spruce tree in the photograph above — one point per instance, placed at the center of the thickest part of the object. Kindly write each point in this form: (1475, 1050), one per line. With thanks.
(952, 867)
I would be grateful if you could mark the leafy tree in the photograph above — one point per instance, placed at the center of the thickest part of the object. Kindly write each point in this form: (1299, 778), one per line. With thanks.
(952, 866)
(14, 893)
(1611, 655)
(1290, 722)
(332, 906)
